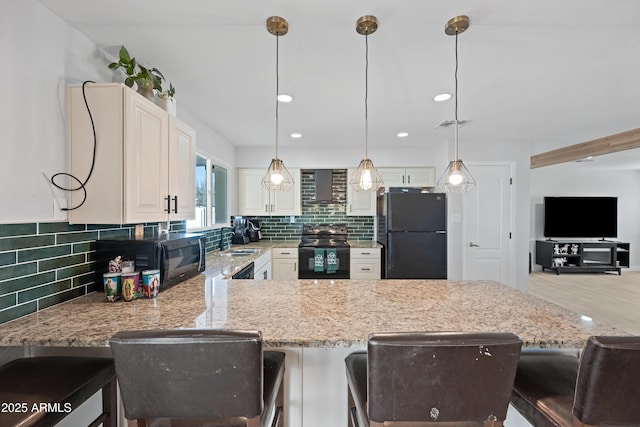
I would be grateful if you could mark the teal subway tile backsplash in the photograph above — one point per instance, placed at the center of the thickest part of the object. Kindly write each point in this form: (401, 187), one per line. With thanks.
(280, 228)
(8, 230)
(42, 264)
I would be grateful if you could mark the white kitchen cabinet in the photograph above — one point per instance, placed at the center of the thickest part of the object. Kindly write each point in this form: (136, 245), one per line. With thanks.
(262, 266)
(182, 166)
(255, 200)
(359, 203)
(144, 167)
(284, 263)
(365, 264)
(408, 177)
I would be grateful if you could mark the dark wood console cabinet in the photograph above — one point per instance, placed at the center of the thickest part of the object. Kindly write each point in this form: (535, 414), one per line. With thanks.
(570, 256)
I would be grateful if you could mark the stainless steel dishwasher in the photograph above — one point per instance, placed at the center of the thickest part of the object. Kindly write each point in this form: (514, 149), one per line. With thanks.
(245, 273)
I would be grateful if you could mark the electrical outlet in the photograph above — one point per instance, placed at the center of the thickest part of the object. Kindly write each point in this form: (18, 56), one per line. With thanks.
(58, 205)
(292, 219)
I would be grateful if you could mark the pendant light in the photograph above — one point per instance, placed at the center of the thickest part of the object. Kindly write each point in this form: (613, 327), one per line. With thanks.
(366, 177)
(277, 176)
(456, 178)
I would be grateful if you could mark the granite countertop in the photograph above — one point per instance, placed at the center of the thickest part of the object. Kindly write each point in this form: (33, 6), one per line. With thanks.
(310, 313)
(221, 263)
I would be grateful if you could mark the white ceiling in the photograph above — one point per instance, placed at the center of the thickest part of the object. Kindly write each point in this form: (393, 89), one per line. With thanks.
(549, 73)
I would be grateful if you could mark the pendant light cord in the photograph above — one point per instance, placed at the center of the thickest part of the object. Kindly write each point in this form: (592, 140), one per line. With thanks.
(277, 87)
(455, 123)
(366, 96)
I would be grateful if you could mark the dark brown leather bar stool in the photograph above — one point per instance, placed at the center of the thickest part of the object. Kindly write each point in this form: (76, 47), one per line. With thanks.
(41, 391)
(432, 377)
(191, 377)
(600, 388)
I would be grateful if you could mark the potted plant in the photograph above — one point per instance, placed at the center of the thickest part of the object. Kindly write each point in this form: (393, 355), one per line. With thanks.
(146, 79)
(166, 99)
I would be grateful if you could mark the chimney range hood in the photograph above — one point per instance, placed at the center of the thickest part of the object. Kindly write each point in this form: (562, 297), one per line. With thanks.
(324, 186)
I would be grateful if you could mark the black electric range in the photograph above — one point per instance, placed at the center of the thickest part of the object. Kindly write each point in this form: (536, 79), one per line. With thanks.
(323, 252)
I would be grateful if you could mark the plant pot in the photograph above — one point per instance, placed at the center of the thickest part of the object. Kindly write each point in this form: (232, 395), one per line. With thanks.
(145, 89)
(167, 103)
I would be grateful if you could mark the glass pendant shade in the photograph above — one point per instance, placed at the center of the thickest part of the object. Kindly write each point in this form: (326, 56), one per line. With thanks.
(277, 176)
(366, 177)
(456, 178)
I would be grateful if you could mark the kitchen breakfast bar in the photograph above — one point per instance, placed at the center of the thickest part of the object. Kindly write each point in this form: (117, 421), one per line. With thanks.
(316, 323)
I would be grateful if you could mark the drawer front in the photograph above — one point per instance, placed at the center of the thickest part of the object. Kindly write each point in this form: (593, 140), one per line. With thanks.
(285, 253)
(365, 269)
(362, 253)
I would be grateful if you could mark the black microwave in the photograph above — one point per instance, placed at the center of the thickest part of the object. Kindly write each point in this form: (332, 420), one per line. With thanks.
(177, 256)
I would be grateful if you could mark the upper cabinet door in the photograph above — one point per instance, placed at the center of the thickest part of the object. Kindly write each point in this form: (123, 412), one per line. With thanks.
(287, 202)
(392, 177)
(421, 177)
(408, 177)
(253, 198)
(146, 160)
(359, 203)
(182, 166)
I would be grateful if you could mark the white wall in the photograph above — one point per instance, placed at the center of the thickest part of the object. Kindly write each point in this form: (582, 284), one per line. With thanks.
(41, 54)
(304, 156)
(574, 179)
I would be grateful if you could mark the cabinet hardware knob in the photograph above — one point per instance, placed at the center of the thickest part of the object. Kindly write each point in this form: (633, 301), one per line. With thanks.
(168, 200)
(175, 204)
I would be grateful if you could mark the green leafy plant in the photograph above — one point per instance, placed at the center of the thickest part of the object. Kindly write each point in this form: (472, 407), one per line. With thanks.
(169, 93)
(145, 78)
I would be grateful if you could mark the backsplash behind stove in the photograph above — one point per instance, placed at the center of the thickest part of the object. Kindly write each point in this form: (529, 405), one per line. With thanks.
(280, 227)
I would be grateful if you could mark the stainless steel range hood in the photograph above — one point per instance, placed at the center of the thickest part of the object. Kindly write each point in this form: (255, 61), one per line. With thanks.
(324, 186)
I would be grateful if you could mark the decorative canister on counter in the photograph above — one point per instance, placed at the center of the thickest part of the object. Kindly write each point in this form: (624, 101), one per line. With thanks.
(150, 283)
(112, 286)
(130, 286)
(128, 266)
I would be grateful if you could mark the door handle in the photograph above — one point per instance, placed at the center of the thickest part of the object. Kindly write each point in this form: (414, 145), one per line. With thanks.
(473, 245)
(175, 205)
(168, 200)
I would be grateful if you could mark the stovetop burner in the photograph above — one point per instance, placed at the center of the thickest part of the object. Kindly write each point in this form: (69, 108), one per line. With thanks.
(324, 236)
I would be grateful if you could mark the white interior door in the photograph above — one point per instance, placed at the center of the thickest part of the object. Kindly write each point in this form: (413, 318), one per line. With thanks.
(487, 219)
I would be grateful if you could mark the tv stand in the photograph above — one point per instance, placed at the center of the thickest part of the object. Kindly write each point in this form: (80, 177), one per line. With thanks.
(571, 256)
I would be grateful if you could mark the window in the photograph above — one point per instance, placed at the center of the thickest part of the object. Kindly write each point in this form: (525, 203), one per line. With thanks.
(211, 194)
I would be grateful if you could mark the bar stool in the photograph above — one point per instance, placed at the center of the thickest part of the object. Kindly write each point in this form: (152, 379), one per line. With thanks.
(432, 377)
(41, 391)
(196, 377)
(602, 387)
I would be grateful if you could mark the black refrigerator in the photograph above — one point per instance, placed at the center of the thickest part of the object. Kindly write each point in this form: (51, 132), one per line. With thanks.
(412, 228)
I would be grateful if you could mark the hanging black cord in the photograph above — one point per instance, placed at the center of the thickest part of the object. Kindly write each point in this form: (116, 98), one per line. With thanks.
(456, 80)
(366, 95)
(366, 76)
(81, 184)
(277, 86)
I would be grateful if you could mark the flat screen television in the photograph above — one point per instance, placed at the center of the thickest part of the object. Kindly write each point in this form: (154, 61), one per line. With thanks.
(581, 217)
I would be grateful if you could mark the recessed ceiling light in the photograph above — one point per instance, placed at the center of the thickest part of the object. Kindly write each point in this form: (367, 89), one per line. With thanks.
(442, 97)
(403, 134)
(296, 135)
(285, 97)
